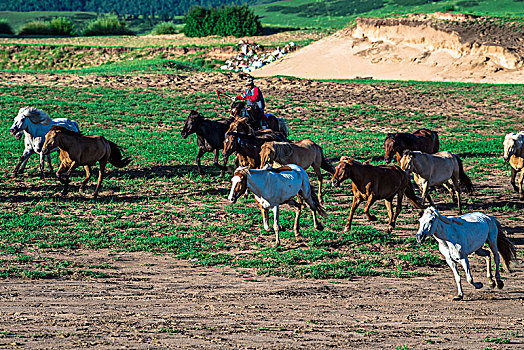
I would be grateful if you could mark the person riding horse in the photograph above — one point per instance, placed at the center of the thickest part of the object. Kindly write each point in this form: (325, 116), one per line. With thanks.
(255, 102)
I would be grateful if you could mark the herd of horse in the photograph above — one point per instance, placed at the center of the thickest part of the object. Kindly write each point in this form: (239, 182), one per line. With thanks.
(273, 169)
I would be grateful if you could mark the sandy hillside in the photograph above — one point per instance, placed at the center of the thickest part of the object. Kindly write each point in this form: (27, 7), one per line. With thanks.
(441, 48)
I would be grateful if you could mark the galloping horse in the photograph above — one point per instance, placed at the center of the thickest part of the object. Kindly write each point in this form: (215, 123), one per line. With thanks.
(514, 154)
(372, 183)
(273, 187)
(210, 137)
(239, 110)
(247, 147)
(304, 153)
(79, 150)
(423, 140)
(434, 170)
(34, 124)
(460, 236)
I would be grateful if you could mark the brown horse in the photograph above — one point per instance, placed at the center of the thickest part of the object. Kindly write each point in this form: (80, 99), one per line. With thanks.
(372, 183)
(304, 153)
(247, 147)
(82, 150)
(240, 111)
(423, 140)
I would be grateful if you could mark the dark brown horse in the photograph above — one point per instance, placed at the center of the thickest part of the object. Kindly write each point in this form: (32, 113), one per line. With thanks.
(82, 150)
(247, 147)
(239, 110)
(210, 136)
(423, 140)
(372, 183)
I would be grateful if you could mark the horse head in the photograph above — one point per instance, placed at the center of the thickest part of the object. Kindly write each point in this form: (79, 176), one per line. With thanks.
(406, 162)
(238, 184)
(236, 108)
(342, 171)
(267, 153)
(513, 143)
(241, 125)
(191, 124)
(428, 224)
(26, 116)
(230, 144)
(390, 147)
(52, 139)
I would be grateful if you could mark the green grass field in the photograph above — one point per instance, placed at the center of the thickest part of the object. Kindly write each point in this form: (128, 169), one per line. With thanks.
(160, 203)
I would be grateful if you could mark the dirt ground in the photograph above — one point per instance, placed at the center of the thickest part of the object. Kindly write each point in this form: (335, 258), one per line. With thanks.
(157, 302)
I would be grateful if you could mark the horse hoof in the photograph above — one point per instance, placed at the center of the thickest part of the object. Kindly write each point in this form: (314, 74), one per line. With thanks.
(477, 285)
(347, 229)
(390, 229)
(276, 244)
(372, 218)
(319, 227)
(458, 298)
(492, 284)
(500, 284)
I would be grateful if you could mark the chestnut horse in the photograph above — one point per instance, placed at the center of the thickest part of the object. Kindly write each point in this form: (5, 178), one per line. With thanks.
(82, 150)
(372, 183)
(247, 147)
(423, 140)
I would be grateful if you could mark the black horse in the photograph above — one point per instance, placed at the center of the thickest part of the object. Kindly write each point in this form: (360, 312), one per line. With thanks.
(210, 136)
(238, 110)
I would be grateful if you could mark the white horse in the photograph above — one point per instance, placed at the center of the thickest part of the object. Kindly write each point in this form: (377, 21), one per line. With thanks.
(514, 154)
(459, 236)
(273, 187)
(434, 170)
(34, 124)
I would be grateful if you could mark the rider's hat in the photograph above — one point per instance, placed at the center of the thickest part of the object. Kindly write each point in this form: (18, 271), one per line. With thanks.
(250, 81)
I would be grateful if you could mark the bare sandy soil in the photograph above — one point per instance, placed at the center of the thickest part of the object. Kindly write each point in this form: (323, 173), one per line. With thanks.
(155, 302)
(443, 48)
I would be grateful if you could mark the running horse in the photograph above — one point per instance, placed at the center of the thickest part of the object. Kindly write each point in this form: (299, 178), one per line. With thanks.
(460, 236)
(423, 140)
(82, 150)
(514, 154)
(239, 110)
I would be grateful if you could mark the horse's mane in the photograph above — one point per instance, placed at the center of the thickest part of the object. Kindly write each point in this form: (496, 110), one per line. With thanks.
(407, 152)
(35, 115)
(65, 130)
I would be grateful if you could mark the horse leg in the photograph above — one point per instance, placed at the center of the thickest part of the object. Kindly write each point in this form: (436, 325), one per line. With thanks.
(49, 163)
(456, 184)
(215, 162)
(42, 165)
(451, 191)
(356, 201)
(318, 172)
(87, 168)
(485, 253)
(512, 179)
(23, 160)
(276, 226)
(265, 213)
(465, 265)
(425, 186)
(199, 155)
(100, 176)
(521, 179)
(296, 226)
(391, 224)
(496, 257)
(453, 267)
(369, 203)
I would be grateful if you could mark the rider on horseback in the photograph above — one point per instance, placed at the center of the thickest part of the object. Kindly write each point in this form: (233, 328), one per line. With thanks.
(255, 102)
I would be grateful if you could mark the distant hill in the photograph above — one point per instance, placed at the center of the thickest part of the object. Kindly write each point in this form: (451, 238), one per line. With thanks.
(166, 8)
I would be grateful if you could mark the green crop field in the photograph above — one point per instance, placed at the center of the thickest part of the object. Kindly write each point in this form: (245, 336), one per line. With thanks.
(160, 203)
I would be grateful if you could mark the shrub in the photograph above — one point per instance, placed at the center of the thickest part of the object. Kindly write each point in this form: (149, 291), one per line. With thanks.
(233, 20)
(164, 28)
(5, 28)
(57, 26)
(106, 25)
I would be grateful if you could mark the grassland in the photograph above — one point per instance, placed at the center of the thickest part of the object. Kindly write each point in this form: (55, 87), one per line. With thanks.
(160, 204)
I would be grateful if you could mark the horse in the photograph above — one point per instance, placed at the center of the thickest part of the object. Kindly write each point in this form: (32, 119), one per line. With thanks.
(247, 147)
(423, 140)
(434, 170)
(34, 124)
(273, 187)
(82, 150)
(210, 137)
(460, 236)
(304, 153)
(239, 110)
(372, 183)
(514, 154)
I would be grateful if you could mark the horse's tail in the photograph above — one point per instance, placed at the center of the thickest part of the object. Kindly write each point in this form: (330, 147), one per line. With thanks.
(283, 126)
(506, 248)
(116, 156)
(409, 191)
(326, 164)
(436, 144)
(314, 203)
(464, 179)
